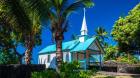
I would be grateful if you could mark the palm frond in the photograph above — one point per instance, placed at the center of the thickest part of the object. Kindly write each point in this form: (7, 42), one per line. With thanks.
(19, 13)
(77, 5)
(40, 6)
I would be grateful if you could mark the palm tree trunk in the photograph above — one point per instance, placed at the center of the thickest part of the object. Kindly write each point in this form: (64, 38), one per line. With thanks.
(28, 56)
(59, 54)
(29, 45)
(28, 53)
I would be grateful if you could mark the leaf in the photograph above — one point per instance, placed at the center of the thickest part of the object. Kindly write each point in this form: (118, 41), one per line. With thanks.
(60, 1)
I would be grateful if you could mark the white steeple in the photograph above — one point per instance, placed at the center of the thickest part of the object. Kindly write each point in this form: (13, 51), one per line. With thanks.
(84, 25)
(84, 30)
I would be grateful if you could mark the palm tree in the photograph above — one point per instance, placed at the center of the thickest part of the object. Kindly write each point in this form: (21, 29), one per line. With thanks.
(24, 22)
(101, 34)
(59, 22)
(57, 14)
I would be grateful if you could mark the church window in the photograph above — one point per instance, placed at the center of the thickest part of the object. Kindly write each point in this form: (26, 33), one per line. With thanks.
(48, 59)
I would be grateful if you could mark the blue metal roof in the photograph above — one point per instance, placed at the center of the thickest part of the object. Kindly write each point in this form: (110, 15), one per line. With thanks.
(73, 46)
(65, 46)
(83, 45)
(48, 49)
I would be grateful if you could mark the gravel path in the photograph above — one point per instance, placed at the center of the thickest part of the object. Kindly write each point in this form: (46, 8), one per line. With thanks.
(117, 74)
(103, 74)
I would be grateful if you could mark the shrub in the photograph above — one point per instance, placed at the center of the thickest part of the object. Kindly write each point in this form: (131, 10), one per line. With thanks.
(94, 70)
(72, 70)
(45, 74)
(67, 70)
(85, 74)
(131, 60)
(7, 57)
(77, 74)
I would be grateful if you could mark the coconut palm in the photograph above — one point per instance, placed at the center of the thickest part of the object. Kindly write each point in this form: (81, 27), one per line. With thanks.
(101, 34)
(59, 21)
(23, 22)
(57, 14)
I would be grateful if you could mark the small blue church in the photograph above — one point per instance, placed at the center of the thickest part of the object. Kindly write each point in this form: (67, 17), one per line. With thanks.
(85, 49)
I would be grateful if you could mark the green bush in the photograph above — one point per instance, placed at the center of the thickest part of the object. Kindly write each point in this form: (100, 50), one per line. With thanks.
(85, 74)
(72, 70)
(94, 70)
(130, 60)
(67, 70)
(8, 57)
(45, 74)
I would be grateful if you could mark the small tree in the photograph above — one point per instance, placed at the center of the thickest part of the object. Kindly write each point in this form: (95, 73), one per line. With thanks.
(111, 53)
(126, 31)
(8, 44)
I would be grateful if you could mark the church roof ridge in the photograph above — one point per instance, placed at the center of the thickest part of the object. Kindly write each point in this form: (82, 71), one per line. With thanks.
(69, 45)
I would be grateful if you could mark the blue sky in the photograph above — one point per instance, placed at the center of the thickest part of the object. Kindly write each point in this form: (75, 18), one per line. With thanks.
(104, 13)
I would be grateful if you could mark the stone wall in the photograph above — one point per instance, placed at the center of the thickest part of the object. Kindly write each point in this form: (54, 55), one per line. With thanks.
(134, 69)
(120, 68)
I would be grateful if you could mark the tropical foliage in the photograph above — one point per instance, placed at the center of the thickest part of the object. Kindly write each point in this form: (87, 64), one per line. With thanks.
(101, 35)
(24, 16)
(57, 15)
(72, 70)
(24, 24)
(59, 21)
(111, 53)
(126, 31)
(7, 42)
(125, 59)
(50, 73)
(68, 70)
(8, 58)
